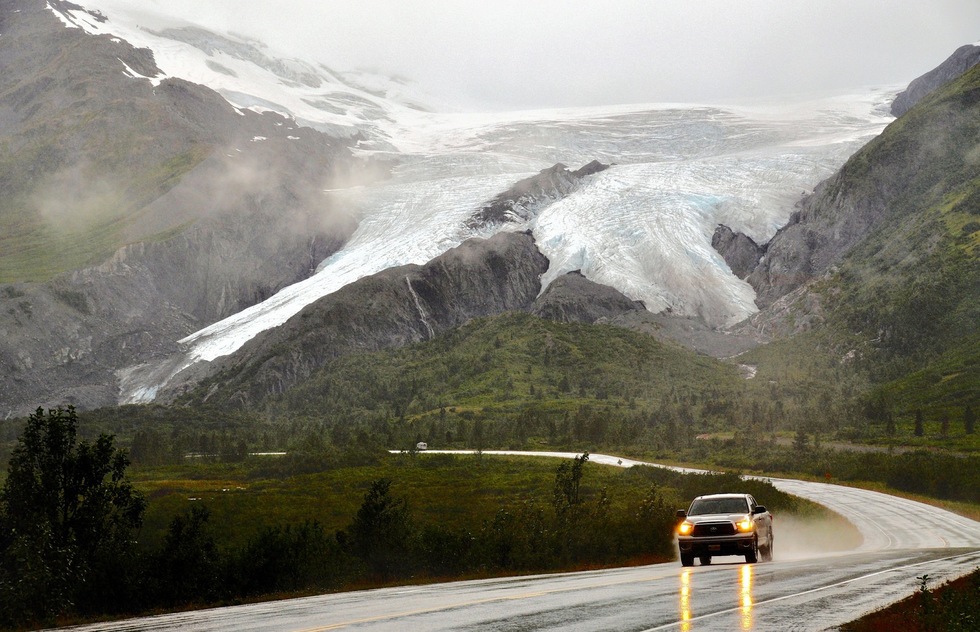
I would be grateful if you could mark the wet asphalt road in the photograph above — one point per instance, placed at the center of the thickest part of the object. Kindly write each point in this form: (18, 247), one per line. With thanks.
(811, 590)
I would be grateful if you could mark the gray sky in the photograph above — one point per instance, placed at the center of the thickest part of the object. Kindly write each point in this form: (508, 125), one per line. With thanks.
(541, 53)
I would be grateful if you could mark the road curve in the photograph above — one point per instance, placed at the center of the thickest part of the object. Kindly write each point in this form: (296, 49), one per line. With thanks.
(903, 540)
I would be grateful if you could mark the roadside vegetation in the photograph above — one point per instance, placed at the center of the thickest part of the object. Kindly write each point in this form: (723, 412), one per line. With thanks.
(951, 607)
(84, 534)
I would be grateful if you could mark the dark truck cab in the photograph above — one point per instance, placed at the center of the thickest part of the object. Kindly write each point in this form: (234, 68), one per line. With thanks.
(724, 524)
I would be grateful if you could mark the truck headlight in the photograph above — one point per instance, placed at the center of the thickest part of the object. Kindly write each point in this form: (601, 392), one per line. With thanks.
(745, 524)
(685, 528)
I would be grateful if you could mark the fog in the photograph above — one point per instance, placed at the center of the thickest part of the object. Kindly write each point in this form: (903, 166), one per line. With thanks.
(510, 54)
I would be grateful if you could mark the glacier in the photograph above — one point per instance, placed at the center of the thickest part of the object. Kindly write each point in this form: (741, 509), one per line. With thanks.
(643, 226)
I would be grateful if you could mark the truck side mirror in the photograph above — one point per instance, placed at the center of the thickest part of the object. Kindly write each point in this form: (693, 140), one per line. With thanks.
(759, 509)
(681, 513)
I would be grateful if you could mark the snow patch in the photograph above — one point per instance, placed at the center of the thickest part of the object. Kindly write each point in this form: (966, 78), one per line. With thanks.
(129, 72)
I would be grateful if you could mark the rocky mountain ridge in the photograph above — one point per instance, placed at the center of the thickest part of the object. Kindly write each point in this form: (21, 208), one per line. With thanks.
(196, 209)
(520, 202)
(962, 59)
(399, 306)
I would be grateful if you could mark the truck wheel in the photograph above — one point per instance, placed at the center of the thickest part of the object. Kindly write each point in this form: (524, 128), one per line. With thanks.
(753, 555)
(705, 560)
(687, 559)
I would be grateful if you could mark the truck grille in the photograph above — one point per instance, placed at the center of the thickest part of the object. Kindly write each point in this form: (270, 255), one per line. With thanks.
(713, 528)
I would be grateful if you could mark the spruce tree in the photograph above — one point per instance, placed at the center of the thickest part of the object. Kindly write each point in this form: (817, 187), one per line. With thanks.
(68, 518)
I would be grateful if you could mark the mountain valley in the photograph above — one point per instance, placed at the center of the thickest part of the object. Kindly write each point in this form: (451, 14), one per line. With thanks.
(274, 327)
(275, 230)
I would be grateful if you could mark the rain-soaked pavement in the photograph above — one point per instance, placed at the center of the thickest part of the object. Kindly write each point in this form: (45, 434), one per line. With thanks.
(807, 590)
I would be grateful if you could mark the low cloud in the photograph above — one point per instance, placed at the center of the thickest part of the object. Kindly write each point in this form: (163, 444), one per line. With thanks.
(78, 198)
(516, 54)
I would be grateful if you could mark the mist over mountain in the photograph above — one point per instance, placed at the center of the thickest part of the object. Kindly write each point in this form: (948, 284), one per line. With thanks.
(135, 213)
(187, 208)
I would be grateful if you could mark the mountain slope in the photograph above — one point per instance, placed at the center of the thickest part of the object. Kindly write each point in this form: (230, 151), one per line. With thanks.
(882, 260)
(389, 309)
(512, 370)
(962, 59)
(926, 154)
(136, 213)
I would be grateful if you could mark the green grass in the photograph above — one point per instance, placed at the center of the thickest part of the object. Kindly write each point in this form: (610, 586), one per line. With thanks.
(452, 491)
(455, 492)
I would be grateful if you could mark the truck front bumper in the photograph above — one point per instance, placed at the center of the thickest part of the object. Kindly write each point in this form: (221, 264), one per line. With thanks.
(722, 545)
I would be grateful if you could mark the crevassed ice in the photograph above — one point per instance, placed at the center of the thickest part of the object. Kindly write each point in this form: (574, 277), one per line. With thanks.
(644, 226)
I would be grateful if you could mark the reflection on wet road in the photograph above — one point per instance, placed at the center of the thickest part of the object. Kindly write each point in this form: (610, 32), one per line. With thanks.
(744, 588)
(686, 600)
(745, 593)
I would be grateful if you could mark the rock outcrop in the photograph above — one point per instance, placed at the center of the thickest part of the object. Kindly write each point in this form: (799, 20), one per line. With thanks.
(398, 306)
(523, 200)
(574, 298)
(962, 59)
(740, 252)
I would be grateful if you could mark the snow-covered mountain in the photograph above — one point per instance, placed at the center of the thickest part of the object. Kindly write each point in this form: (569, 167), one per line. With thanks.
(247, 73)
(644, 226)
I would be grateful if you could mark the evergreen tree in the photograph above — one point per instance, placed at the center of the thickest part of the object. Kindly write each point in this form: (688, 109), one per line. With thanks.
(568, 479)
(380, 531)
(919, 424)
(801, 442)
(969, 419)
(189, 567)
(68, 516)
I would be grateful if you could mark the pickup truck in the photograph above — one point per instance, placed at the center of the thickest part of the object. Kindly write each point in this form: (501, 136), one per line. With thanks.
(724, 524)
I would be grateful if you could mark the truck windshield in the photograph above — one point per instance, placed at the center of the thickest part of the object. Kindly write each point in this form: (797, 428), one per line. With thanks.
(704, 506)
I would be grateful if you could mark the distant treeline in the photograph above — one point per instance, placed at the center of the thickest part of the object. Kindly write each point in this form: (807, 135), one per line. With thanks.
(935, 474)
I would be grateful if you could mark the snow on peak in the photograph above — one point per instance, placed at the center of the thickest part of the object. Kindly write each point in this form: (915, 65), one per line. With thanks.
(248, 75)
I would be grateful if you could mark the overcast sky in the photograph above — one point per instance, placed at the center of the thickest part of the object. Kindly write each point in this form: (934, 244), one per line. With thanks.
(541, 53)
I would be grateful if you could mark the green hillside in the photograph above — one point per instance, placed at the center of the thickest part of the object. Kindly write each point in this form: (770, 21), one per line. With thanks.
(84, 148)
(72, 222)
(517, 376)
(912, 291)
